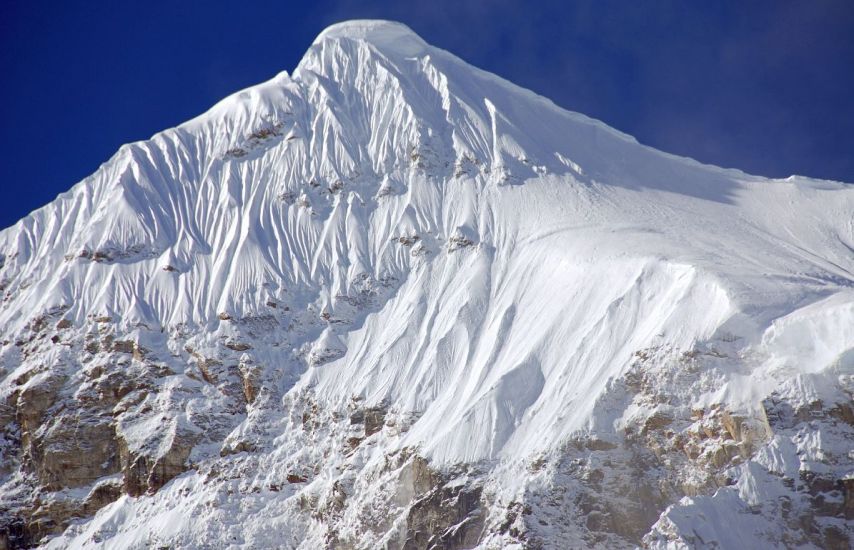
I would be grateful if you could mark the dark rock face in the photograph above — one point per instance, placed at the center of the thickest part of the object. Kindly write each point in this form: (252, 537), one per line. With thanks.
(33, 402)
(59, 430)
(442, 516)
(75, 451)
(15, 534)
(848, 490)
(374, 419)
(438, 512)
(421, 506)
(144, 474)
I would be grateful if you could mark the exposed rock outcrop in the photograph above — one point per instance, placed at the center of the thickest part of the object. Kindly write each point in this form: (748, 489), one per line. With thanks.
(146, 474)
(441, 514)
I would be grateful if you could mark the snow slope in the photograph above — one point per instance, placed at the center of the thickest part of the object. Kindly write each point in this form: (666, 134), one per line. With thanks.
(392, 227)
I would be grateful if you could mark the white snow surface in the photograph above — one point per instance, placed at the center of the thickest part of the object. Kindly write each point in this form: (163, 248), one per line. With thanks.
(455, 247)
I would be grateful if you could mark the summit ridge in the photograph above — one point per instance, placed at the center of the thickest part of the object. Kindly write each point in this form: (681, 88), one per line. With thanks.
(376, 31)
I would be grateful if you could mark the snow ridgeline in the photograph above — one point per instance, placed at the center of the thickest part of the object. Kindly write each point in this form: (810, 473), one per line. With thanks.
(392, 273)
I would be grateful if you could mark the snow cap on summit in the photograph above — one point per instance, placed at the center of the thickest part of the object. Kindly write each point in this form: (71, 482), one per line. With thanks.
(386, 35)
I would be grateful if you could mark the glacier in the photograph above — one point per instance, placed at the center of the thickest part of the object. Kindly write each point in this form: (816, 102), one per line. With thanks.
(393, 301)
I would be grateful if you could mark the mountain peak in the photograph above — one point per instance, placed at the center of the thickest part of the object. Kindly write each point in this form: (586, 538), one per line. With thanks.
(386, 35)
(392, 277)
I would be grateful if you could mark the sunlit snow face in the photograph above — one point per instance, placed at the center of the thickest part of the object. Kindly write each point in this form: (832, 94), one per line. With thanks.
(392, 254)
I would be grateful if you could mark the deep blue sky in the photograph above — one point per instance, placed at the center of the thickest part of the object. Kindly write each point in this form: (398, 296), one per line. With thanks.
(767, 87)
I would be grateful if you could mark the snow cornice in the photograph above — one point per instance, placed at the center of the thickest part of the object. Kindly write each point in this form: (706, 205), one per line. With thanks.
(388, 36)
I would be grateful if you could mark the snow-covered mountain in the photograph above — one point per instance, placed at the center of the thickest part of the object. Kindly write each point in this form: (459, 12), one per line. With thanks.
(393, 301)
